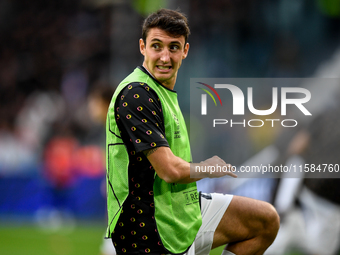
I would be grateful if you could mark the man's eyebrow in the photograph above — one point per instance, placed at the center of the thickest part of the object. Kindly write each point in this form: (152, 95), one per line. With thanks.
(155, 39)
(158, 40)
(175, 42)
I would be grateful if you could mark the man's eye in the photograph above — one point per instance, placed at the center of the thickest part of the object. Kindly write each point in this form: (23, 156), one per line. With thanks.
(156, 46)
(174, 47)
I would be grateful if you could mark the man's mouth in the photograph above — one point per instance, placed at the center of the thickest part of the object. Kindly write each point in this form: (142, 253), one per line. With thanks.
(165, 68)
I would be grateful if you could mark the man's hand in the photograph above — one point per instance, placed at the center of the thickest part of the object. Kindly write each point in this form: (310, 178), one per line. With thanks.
(213, 167)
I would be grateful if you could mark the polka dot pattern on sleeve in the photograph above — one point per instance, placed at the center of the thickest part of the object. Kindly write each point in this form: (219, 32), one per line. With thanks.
(139, 114)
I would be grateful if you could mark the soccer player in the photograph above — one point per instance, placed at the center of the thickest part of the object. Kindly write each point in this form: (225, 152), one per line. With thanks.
(153, 204)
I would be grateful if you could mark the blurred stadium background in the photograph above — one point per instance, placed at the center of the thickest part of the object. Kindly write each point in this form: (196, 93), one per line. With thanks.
(60, 61)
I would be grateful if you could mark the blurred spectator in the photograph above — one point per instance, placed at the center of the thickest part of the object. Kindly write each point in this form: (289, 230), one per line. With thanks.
(98, 104)
(59, 161)
(68, 156)
(15, 158)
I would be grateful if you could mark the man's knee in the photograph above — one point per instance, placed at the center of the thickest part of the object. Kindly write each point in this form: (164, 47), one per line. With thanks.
(271, 221)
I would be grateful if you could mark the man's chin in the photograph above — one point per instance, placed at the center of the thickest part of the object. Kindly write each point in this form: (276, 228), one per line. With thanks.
(162, 78)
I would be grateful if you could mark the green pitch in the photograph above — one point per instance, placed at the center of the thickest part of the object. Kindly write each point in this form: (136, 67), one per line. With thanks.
(217, 251)
(84, 239)
(30, 240)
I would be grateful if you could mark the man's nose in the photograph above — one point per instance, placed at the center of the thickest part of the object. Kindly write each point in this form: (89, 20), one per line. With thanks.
(165, 57)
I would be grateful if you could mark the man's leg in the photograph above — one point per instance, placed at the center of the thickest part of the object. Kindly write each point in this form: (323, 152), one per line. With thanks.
(248, 226)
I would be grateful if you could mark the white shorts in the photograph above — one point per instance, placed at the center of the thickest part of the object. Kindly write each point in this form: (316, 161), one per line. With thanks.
(213, 207)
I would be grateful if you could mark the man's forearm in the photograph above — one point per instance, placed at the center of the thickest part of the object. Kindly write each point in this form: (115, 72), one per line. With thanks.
(173, 169)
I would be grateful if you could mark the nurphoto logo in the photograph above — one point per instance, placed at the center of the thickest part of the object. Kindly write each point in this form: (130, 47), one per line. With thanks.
(295, 96)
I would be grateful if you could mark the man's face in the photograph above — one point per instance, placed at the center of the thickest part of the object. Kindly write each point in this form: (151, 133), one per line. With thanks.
(163, 55)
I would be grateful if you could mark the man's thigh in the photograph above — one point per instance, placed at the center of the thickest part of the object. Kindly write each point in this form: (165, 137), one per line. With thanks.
(243, 220)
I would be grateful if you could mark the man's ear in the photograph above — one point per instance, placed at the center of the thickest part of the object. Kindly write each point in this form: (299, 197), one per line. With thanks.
(141, 46)
(186, 50)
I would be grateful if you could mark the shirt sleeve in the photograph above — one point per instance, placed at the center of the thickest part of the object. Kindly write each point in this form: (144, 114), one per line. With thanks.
(140, 118)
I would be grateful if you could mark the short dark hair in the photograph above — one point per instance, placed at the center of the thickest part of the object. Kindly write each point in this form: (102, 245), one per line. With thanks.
(173, 22)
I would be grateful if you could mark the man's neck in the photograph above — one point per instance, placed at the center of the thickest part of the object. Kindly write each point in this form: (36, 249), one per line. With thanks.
(148, 71)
